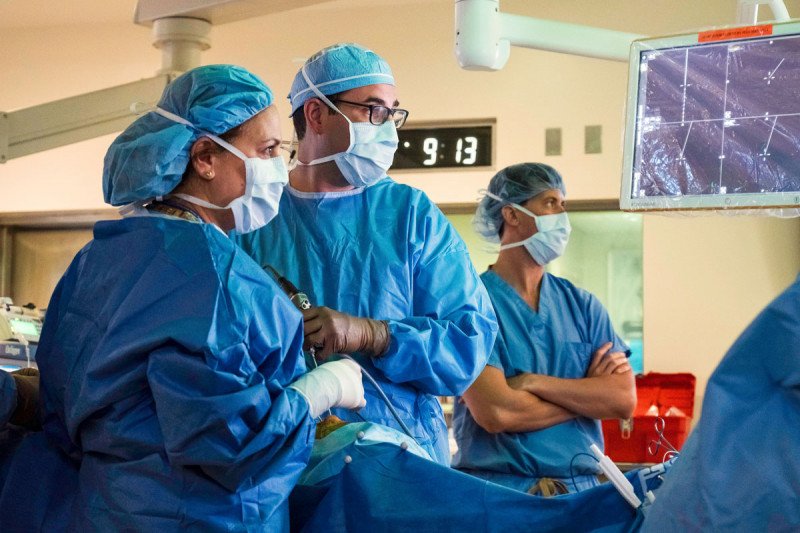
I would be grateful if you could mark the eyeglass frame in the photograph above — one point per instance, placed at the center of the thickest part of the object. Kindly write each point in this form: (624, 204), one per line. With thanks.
(391, 111)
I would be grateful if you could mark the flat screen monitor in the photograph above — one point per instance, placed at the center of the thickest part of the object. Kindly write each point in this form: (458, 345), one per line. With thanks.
(26, 327)
(713, 120)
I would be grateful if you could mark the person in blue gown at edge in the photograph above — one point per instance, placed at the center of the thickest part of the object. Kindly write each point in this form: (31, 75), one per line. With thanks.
(557, 365)
(392, 279)
(739, 470)
(171, 363)
(43, 480)
(19, 397)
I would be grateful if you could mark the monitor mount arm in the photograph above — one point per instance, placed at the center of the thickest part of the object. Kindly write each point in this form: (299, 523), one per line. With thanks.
(484, 36)
(747, 10)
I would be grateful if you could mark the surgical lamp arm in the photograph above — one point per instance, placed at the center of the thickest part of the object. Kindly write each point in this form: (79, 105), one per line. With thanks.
(70, 120)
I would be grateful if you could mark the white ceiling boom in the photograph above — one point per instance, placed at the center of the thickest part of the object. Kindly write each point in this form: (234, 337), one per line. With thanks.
(181, 31)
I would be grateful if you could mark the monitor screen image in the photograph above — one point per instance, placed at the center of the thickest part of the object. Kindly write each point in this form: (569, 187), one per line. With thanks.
(713, 120)
(24, 327)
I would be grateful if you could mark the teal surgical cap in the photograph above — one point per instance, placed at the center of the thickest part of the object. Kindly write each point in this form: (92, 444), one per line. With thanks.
(150, 157)
(516, 185)
(339, 68)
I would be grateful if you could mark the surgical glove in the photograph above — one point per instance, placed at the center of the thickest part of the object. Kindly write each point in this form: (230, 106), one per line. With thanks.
(328, 331)
(334, 384)
(26, 414)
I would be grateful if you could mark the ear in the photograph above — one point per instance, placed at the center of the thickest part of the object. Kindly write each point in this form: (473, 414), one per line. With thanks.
(203, 156)
(313, 109)
(509, 215)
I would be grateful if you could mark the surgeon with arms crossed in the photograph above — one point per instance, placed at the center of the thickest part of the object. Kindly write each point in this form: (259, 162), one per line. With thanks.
(557, 366)
(392, 279)
(171, 364)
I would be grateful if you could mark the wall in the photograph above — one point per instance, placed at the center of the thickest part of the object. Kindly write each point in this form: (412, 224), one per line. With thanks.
(39, 258)
(705, 278)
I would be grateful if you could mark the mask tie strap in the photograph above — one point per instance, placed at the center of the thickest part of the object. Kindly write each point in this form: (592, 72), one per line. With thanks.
(512, 204)
(328, 102)
(180, 120)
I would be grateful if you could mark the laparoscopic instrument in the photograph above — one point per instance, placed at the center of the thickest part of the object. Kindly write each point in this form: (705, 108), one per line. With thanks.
(302, 302)
(297, 297)
(616, 477)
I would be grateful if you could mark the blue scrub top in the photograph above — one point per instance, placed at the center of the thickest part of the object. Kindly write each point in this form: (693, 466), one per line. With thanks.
(558, 341)
(164, 361)
(387, 253)
(739, 470)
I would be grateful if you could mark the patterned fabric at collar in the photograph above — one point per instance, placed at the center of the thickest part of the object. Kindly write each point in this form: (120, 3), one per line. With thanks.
(175, 210)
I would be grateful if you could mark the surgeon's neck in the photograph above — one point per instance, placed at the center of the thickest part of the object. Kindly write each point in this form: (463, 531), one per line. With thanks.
(324, 177)
(518, 269)
(222, 218)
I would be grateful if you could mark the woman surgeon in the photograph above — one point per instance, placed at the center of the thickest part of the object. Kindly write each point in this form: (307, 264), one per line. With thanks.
(171, 363)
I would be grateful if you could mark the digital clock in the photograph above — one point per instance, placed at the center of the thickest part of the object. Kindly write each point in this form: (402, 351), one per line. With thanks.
(445, 146)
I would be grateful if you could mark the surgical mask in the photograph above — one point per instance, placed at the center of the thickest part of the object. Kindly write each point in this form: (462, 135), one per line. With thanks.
(371, 149)
(550, 239)
(265, 180)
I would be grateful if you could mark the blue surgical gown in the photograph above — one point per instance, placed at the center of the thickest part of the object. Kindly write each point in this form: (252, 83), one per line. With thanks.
(164, 360)
(8, 397)
(41, 487)
(739, 470)
(557, 341)
(9, 437)
(387, 253)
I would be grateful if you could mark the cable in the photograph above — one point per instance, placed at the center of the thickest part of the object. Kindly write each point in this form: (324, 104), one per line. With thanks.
(572, 462)
(383, 397)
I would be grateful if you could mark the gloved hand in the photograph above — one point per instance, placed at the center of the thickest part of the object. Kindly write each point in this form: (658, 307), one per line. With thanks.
(26, 414)
(328, 331)
(334, 384)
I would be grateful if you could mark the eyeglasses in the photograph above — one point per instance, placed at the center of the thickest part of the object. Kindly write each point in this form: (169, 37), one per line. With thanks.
(378, 114)
(289, 146)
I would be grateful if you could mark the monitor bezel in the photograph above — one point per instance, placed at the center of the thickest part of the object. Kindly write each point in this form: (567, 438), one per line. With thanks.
(773, 200)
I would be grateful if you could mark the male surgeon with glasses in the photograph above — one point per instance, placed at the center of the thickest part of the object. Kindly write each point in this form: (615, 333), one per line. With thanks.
(391, 279)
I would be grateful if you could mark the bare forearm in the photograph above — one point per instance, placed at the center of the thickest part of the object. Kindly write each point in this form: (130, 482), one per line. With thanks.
(609, 396)
(515, 411)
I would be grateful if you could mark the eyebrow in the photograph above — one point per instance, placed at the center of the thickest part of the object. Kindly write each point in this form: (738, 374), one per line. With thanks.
(376, 100)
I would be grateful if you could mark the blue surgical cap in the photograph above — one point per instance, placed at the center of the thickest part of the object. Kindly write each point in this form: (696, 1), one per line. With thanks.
(516, 185)
(339, 68)
(150, 157)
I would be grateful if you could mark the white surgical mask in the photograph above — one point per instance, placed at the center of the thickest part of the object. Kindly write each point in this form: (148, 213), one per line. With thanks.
(265, 180)
(550, 239)
(371, 149)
